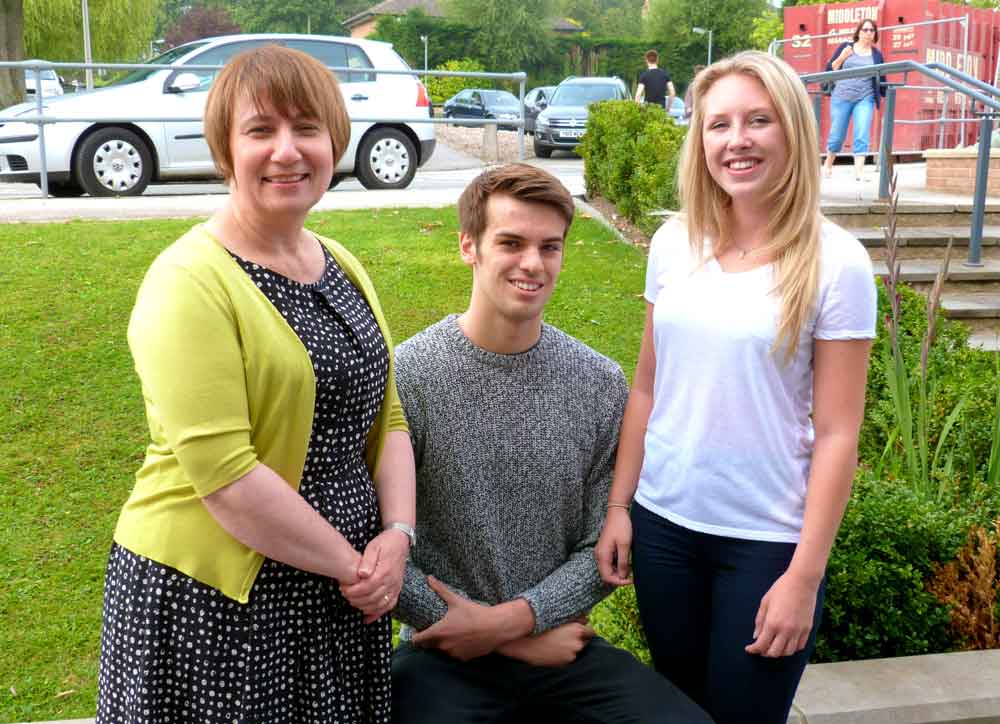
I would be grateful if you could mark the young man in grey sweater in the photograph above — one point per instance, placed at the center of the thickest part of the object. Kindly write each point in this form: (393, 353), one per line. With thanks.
(514, 427)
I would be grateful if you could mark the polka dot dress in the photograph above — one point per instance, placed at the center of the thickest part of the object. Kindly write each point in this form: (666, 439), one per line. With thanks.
(174, 650)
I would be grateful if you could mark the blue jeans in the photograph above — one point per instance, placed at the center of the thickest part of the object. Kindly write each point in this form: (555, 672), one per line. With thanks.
(843, 111)
(698, 595)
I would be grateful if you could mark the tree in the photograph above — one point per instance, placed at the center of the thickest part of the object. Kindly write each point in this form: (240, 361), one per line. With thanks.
(11, 48)
(200, 22)
(288, 16)
(670, 22)
(621, 22)
(120, 30)
(767, 26)
(510, 33)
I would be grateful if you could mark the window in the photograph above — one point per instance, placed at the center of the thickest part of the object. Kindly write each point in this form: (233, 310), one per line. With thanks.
(218, 55)
(332, 55)
(356, 58)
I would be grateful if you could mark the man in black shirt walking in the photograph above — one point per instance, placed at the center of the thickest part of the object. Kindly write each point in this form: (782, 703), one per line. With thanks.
(655, 85)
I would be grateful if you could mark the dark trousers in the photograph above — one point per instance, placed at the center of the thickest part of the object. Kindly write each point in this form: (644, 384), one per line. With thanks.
(698, 595)
(603, 685)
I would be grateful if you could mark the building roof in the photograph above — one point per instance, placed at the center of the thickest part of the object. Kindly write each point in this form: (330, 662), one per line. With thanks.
(431, 8)
(394, 7)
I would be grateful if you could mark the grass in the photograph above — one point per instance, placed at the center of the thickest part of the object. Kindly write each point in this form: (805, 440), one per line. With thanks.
(72, 429)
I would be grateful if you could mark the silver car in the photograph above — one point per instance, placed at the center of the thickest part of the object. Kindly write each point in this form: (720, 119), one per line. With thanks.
(120, 157)
(563, 122)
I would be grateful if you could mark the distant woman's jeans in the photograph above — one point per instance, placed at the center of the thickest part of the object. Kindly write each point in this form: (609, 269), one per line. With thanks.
(841, 112)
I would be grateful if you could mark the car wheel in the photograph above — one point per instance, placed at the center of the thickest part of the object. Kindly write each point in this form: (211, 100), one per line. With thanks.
(387, 159)
(67, 190)
(542, 151)
(113, 162)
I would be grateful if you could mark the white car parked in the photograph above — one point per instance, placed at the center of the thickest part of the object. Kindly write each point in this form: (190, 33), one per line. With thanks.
(47, 78)
(120, 157)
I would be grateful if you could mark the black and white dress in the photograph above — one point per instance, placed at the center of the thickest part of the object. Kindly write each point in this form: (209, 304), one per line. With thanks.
(175, 650)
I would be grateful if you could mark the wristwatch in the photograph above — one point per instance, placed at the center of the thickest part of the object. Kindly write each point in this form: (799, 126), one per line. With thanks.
(410, 533)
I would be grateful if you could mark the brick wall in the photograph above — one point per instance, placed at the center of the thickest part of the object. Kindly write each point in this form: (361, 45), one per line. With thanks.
(955, 171)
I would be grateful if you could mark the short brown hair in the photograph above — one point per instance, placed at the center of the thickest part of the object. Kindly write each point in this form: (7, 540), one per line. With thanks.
(652, 56)
(857, 30)
(523, 182)
(290, 80)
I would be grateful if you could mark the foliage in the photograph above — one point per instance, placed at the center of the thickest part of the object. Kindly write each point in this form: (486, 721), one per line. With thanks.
(120, 30)
(200, 22)
(442, 88)
(616, 619)
(969, 586)
(446, 40)
(767, 26)
(630, 156)
(670, 22)
(509, 33)
(72, 423)
(287, 16)
(876, 604)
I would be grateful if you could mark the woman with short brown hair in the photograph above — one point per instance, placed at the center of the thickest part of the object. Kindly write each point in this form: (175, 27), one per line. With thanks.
(265, 538)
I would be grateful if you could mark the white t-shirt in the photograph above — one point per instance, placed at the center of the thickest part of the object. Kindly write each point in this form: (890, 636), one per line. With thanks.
(730, 437)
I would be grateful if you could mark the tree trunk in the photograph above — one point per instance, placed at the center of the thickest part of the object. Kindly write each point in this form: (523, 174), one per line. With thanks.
(11, 48)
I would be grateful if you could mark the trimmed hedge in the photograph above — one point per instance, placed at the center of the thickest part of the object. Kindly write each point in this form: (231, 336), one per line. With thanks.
(630, 153)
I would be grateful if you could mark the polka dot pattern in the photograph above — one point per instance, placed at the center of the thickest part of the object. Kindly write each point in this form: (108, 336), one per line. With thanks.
(176, 651)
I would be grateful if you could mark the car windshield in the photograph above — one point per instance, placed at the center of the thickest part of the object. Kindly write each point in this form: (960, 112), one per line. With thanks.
(580, 94)
(167, 58)
(500, 98)
(47, 74)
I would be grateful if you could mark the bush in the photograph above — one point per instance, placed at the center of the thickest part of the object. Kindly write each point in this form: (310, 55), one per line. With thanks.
(876, 601)
(630, 156)
(441, 88)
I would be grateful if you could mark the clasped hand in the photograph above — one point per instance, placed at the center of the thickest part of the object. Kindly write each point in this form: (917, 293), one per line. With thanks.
(379, 575)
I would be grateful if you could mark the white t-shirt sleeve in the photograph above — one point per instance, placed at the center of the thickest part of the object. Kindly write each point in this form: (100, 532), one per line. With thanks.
(667, 239)
(848, 298)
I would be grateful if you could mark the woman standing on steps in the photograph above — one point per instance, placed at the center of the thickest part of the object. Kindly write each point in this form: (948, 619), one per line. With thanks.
(854, 98)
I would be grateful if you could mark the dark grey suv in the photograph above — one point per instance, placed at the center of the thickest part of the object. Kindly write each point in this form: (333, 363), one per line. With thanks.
(563, 121)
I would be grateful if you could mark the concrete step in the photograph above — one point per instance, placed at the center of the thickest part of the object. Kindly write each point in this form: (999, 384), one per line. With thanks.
(925, 270)
(986, 339)
(934, 689)
(971, 305)
(927, 236)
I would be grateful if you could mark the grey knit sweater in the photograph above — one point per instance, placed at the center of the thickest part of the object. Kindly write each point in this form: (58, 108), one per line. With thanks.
(514, 457)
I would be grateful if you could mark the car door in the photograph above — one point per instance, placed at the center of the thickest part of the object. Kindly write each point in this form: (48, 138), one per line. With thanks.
(187, 150)
(460, 108)
(477, 109)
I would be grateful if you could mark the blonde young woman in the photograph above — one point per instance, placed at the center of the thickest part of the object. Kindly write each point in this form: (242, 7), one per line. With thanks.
(739, 441)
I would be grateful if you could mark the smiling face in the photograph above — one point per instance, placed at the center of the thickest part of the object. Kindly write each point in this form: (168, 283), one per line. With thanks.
(516, 261)
(282, 165)
(745, 147)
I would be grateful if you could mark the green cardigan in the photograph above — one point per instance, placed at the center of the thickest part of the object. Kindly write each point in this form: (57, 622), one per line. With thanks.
(227, 384)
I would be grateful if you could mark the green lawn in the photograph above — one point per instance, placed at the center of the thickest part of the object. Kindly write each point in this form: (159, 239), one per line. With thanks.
(72, 429)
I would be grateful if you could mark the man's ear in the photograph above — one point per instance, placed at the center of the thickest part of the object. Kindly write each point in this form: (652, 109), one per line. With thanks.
(467, 248)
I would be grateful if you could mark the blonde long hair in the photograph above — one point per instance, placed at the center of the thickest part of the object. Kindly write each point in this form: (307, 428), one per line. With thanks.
(795, 218)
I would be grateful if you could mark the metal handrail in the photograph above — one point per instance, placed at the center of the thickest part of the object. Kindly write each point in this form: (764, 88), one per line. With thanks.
(41, 120)
(944, 75)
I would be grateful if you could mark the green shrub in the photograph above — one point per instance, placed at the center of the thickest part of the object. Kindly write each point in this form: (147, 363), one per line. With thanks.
(876, 601)
(630, 156)
(441, 88)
